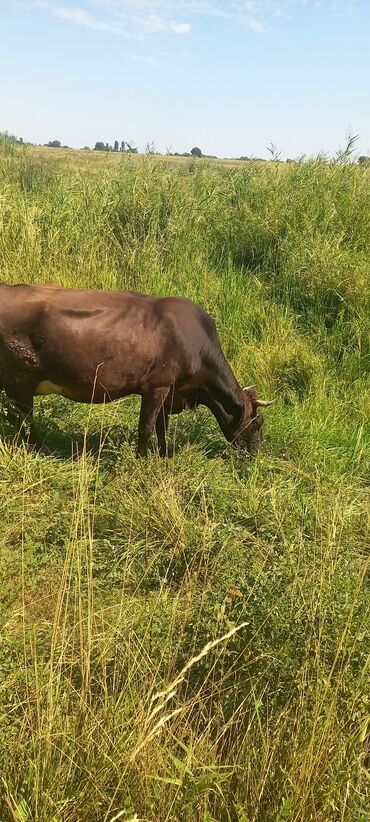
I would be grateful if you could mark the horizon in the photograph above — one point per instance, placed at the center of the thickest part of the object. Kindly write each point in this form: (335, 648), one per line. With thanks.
(232, 78)
(347, 150)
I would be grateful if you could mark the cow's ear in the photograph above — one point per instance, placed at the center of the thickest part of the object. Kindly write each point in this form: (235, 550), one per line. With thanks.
(251, 393)
(250, 390)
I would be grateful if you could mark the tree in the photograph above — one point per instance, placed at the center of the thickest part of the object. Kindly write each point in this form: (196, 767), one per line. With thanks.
(53, 144)
(363, 160)
(196, 152)
(122, 145)
(99, 146)
(116, 145)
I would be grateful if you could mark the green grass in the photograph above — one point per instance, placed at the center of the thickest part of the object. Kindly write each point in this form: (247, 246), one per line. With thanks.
(118, 577)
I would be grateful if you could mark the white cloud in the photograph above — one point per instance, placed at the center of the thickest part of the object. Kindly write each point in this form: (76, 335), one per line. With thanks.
(254, 25)
(140, 18)
(242, 13)
(180, 28)
(155, 22)
(84, 18)
(127, 19)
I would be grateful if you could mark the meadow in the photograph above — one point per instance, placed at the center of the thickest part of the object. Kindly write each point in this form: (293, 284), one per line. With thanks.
(188, 639)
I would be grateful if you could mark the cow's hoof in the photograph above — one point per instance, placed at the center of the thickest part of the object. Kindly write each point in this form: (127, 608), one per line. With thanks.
(166, 453)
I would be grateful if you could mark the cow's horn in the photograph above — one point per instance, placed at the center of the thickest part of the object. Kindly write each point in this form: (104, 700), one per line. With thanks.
(265, 403)
(248, 387)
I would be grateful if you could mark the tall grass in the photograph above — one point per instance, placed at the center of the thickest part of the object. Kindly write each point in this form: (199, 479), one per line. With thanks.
(188, 639)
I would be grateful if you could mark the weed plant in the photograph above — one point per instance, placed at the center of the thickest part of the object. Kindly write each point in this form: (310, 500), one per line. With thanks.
(188, 639)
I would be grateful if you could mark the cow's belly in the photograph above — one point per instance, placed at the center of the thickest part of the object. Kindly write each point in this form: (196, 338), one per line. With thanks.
(46, 387)
(85, 394)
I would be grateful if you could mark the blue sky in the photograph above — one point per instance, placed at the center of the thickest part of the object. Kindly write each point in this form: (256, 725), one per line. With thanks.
(230, 77)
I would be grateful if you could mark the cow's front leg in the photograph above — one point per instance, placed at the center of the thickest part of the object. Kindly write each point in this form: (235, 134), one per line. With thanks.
(151, 407)
(161, 427)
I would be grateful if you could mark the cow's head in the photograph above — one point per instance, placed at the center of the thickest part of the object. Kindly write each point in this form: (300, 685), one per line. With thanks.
(249, 435)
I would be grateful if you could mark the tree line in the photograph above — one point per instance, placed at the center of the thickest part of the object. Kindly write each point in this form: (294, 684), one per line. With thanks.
(117, 146)
(343, 155)
(131, 148)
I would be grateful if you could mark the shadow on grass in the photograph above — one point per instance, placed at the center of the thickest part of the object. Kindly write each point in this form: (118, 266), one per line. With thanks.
(66, 438)
(107, 441)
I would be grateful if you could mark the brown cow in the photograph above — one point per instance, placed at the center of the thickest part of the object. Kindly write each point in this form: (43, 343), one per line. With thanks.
(97, 346)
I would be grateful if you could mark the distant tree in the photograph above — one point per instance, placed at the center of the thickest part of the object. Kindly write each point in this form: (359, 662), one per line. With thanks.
(178, 153)
(99, 146)
(196, 152)
(54, 144)
(86, 148)
(107, 147)
(116, 145)
(363, 160)
(122, 145)
(150, 148)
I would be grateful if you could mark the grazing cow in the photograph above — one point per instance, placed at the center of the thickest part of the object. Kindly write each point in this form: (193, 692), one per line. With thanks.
(97, 346)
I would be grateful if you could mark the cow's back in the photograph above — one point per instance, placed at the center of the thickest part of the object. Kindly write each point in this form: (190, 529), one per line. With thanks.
(103, 342)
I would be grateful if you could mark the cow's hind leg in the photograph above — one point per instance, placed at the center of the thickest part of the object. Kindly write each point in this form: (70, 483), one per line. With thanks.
(26, 427)
(21, 417)
(151, 408)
